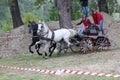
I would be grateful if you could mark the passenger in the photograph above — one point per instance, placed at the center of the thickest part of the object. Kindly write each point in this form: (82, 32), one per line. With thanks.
(86, 23)
(98, 20)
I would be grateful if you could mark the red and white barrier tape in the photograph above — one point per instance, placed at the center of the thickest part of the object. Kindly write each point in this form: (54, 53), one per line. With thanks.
(89, 73)
(61, 71)
(12, 36)
(30, 69)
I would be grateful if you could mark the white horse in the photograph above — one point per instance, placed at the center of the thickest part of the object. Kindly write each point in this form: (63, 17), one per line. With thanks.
(56, 36)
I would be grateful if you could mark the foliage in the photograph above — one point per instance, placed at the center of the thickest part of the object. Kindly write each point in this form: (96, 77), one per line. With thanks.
(30, 16)
(3, 11)
(34, 9)
(113, 6)
(53, 14)
(76, 10)
(6, 25)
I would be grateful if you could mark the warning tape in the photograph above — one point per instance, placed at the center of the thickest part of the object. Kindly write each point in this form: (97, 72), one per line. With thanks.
(61, 71)
(89, 73)
(29, 69)
(12, 36)
(15, 36)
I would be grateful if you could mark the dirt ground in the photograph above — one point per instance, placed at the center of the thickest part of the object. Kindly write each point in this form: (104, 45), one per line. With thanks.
(106, 61)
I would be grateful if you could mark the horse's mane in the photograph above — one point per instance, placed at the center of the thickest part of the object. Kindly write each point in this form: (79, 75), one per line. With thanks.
(45, 25)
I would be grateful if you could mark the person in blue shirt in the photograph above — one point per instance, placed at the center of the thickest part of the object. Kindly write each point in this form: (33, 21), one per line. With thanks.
(84, 4)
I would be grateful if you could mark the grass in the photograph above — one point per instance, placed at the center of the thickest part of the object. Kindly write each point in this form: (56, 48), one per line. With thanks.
(29, 61)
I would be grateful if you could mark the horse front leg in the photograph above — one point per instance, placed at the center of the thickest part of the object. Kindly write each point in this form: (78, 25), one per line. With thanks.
(37, 47)
(46, 51)
(52, 48)
(32, 44)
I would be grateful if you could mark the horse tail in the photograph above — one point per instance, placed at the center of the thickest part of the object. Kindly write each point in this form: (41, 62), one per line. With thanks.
(73, 32)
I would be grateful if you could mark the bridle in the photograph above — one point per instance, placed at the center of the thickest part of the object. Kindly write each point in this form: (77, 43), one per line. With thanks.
(44, 36)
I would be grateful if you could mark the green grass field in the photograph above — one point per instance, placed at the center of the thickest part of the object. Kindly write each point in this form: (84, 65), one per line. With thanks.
(35, 61)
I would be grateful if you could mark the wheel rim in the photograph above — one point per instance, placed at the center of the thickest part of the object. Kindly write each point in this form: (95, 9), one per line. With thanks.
(86, 45)
(102, 44)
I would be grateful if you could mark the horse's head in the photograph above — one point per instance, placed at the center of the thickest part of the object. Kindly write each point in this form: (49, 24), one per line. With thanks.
(33, 26)
(42, 29)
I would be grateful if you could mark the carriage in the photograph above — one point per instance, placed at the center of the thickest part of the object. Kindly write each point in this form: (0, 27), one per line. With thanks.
(88, 42)
(91, 41)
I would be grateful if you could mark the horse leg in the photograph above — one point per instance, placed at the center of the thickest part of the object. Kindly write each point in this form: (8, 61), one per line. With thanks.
(47, 45)
(59, 52)
(60, 48)
(52, 48)
(68, 42)
(37, 49)
(32, 44)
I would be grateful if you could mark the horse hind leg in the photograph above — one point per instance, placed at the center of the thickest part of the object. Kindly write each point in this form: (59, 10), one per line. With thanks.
(52, 48)
(68, 42)
(61, 47)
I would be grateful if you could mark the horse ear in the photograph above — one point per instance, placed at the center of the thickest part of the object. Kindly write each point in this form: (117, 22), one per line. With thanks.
(39, 21)
(43, 22)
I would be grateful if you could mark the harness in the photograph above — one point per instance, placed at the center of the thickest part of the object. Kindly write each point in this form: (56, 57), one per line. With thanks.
(48, 39)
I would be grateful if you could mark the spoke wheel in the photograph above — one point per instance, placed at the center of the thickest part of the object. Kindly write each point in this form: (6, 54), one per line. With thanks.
(86, 45)
(102, 44)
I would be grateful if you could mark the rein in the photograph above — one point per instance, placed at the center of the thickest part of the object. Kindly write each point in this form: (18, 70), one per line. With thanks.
(45, 33)
(48, 39)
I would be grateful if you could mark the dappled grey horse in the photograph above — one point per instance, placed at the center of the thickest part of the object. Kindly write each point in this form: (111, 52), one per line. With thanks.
(60, 34)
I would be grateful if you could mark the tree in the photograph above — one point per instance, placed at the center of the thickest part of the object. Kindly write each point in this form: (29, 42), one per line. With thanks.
(15, 12)
(102, 4)
(113, 6)
(64, 13)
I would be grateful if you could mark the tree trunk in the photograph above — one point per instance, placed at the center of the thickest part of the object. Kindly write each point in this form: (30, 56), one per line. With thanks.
(102, 4)
(64, 13)
(15, 12)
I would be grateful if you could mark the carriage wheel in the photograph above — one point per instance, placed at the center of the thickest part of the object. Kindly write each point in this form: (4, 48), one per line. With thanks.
(75, 46)
(86, 45)
(102, 44)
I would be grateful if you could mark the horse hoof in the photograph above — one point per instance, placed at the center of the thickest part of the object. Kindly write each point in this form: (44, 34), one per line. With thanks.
(40, 54)
(46, 57)
(32, 52)
(58, 55)
(65, 50)
(50, 55)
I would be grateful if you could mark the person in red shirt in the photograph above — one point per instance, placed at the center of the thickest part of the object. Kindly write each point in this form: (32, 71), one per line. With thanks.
(98, 19)
(86, 23)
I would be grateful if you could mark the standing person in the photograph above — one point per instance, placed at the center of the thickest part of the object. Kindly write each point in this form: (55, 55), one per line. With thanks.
(86, 23)
(84, 4)
(98, 19)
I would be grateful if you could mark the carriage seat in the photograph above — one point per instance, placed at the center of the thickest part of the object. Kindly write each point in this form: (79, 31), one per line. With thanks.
(92, 31)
